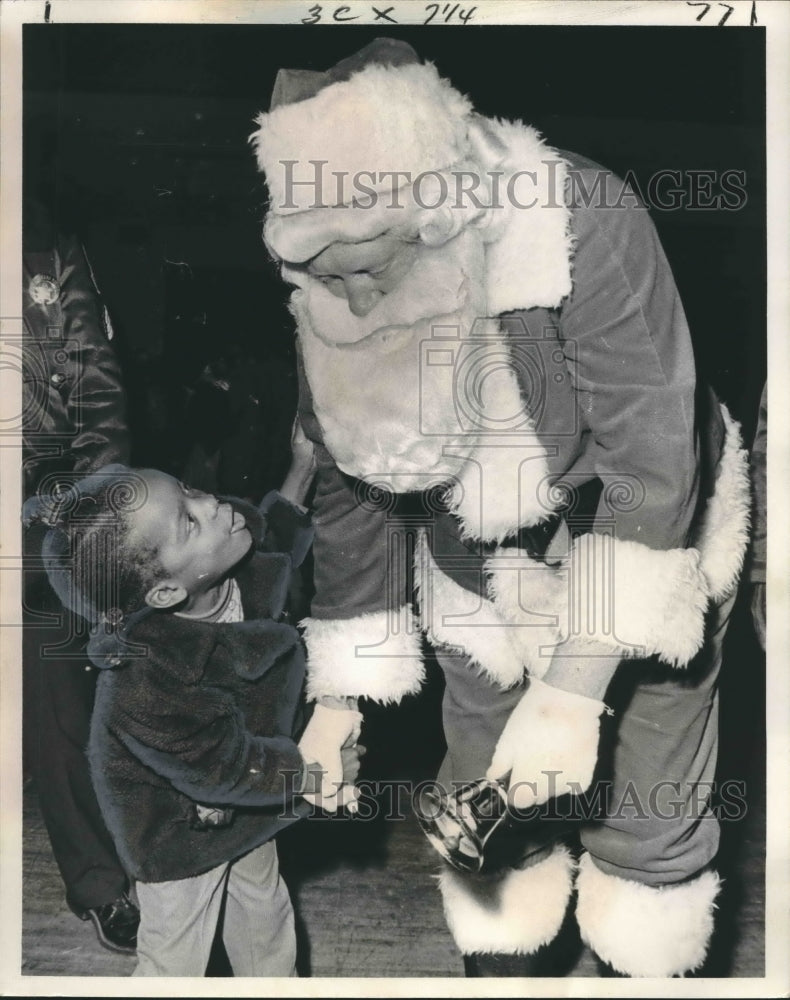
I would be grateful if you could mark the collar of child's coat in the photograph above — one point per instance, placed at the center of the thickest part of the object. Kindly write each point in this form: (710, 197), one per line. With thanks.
(184, 647)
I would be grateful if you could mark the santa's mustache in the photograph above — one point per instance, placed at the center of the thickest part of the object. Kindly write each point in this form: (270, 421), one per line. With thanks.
(442, 282)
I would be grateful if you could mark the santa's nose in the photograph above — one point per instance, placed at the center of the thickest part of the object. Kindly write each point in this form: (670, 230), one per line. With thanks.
(361, 297)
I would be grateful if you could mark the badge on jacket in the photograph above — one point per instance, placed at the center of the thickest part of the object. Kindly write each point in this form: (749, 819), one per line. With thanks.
(44, 289)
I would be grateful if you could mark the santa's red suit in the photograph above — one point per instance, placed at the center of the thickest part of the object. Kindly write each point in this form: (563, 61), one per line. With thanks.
(569, 496)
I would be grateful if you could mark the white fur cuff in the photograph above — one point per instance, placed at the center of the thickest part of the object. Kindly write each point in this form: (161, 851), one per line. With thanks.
(608, 596)
(642, 930)
(515, 915)
(622, 597)
(374, 656)
(636, 600)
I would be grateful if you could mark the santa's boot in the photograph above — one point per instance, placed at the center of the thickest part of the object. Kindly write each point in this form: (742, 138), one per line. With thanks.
(506, 925)
(641, 930)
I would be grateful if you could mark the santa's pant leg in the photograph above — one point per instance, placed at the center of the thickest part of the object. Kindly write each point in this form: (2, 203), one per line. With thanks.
(646, 889)
(502, 923)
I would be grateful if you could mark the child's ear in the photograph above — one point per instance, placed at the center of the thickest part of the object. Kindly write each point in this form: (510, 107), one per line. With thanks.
(166, 594)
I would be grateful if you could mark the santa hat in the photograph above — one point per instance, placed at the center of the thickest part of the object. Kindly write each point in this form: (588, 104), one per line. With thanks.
(336, 146)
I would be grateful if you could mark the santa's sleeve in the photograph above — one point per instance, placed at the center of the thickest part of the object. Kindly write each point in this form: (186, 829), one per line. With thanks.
(361, 636)
(660, 546)
(633, 370)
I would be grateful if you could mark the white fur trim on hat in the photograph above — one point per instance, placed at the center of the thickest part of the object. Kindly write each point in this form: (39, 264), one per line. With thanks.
(515, 914)
(464, 622)
(327, 150)
(643, 930)
(382, 119)
(374, 656)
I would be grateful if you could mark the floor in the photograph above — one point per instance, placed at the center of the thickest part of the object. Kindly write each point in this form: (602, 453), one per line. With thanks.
(364, 892)
(366, 904)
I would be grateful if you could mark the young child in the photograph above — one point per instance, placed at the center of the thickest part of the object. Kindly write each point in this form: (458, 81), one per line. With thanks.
(192, 740)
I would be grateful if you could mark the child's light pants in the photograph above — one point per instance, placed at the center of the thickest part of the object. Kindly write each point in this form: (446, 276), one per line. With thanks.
(178, 920)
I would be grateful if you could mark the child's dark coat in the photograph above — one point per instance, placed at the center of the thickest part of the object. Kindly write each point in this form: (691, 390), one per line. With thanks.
(189, 711)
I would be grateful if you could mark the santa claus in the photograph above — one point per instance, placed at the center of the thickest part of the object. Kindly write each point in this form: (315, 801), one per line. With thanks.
(495, 365)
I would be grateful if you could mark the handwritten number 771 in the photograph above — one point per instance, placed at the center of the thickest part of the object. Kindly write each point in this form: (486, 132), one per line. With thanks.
(727, 13)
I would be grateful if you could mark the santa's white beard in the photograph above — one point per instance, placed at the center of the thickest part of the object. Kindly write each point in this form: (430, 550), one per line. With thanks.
(385, 386)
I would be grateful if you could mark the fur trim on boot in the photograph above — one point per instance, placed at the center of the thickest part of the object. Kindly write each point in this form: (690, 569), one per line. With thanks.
(642, 930)
(516, 914)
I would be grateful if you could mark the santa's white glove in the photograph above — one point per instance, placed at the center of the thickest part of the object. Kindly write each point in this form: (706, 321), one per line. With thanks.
(328, 730)
(549, 745)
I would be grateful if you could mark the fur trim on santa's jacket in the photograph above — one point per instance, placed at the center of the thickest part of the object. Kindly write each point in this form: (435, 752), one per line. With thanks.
(612, 449)
(192, 712)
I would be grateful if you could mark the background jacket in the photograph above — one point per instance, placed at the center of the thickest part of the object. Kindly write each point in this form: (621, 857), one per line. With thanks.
(73, 399)
(759, 458)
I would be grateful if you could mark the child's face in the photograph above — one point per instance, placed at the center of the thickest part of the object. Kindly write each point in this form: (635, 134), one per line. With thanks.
(198, 539)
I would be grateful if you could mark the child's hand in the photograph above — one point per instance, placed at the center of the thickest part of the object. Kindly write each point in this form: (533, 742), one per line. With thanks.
(303, 466)
(350, 756)
(302, 449)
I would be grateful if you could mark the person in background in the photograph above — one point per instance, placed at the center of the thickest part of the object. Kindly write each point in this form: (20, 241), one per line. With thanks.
(74, 421)
(757, 562)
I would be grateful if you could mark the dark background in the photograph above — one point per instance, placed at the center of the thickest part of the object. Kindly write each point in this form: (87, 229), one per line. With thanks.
(136, 136)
